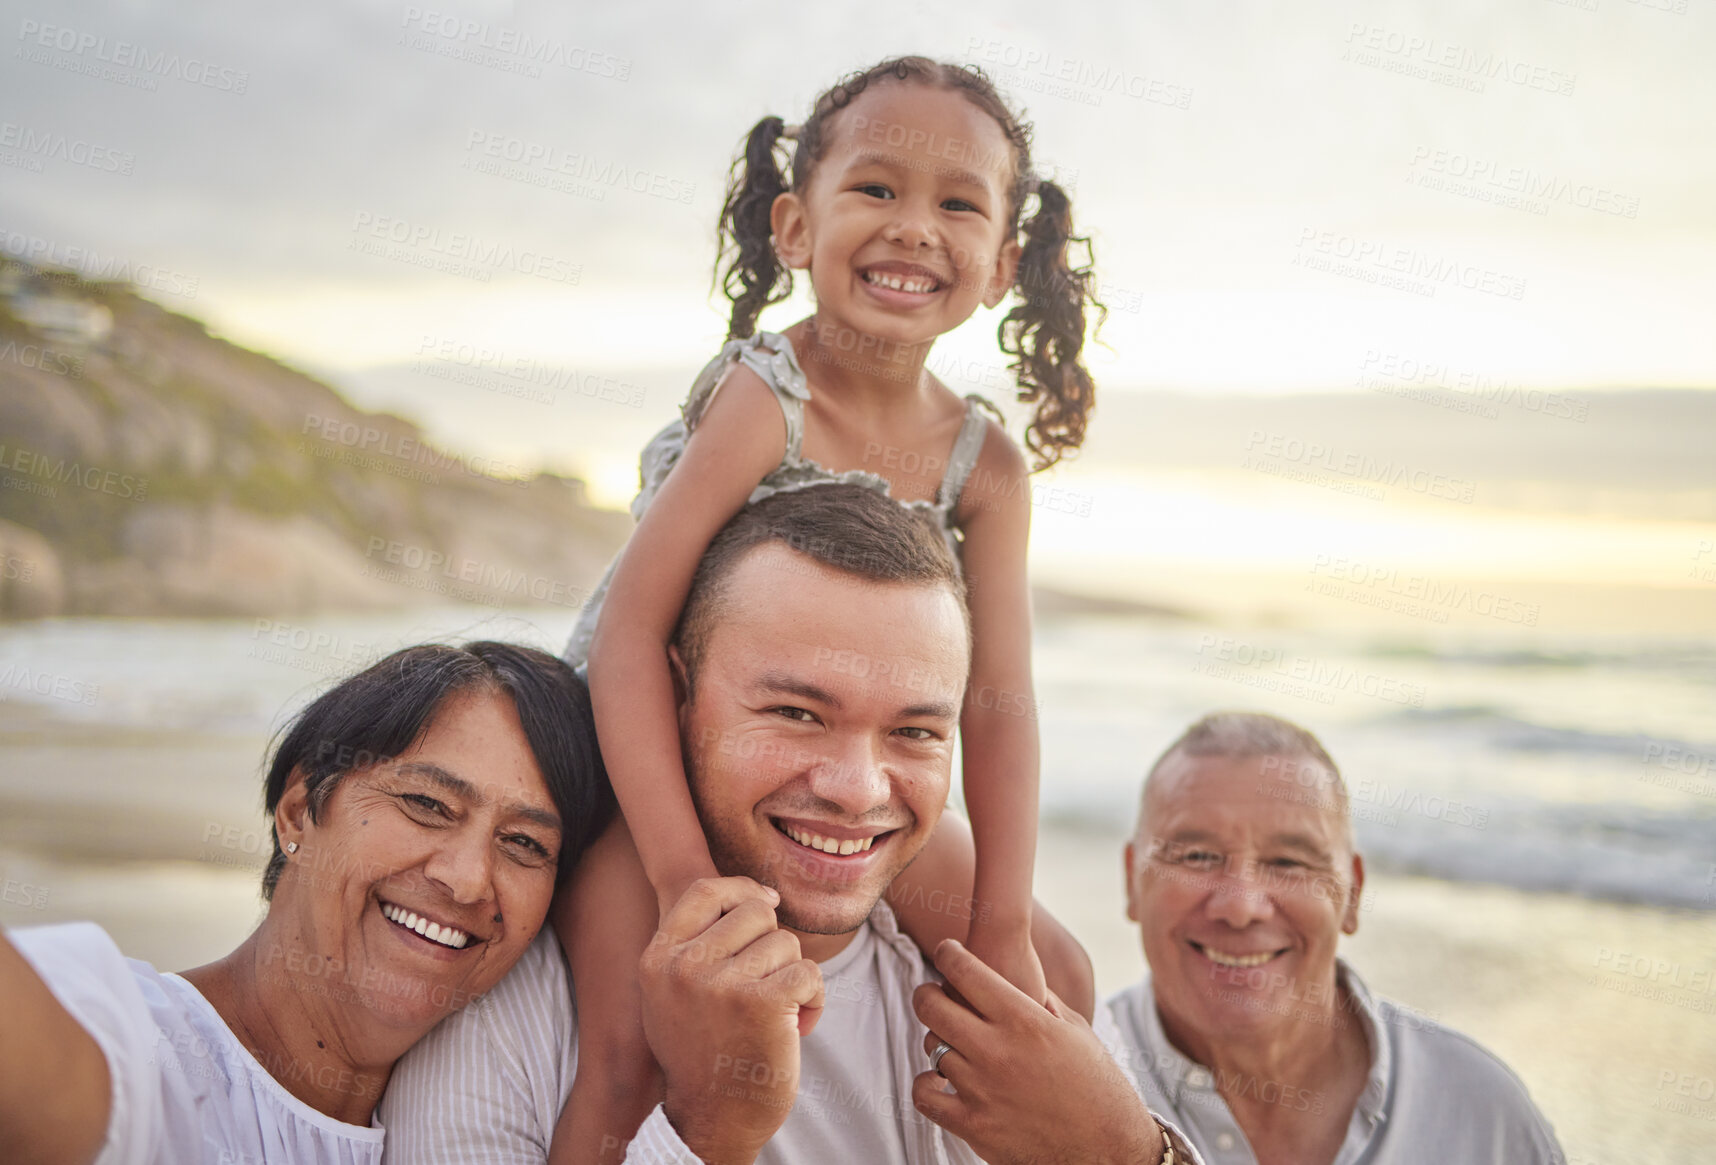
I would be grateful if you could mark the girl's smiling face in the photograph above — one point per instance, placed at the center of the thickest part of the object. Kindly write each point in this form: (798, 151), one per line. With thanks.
(906, 224)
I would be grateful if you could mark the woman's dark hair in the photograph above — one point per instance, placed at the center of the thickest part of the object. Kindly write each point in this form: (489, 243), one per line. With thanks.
(1044, 332)
(382, 711)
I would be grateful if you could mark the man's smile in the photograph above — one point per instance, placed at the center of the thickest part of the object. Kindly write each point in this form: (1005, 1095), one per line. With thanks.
(1239, 959)
(829, 840)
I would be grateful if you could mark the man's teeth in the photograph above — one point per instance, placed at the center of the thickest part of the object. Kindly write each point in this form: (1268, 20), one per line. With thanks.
(1227, 960)
(445, 935)
(828, 845)
(915, 283)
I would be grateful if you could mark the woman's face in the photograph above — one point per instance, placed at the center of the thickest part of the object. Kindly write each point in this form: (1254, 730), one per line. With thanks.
(428, 874)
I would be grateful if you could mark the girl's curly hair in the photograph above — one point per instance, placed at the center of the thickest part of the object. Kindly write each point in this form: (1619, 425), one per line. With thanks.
(1045, 330)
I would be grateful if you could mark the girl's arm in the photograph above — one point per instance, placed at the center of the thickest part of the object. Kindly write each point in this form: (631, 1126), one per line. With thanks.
(998, 727)
(739, 439)
(932, 898)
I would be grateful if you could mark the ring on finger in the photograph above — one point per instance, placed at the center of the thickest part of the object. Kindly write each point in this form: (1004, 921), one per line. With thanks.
(941, 1050)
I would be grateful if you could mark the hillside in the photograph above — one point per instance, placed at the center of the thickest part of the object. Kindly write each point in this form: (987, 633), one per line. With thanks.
(149, 468)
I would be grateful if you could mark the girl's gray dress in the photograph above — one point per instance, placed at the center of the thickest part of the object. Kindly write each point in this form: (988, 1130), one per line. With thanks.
(771, 357)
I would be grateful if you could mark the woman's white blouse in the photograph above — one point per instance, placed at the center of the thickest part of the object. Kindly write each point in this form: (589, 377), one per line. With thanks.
(184, 1088)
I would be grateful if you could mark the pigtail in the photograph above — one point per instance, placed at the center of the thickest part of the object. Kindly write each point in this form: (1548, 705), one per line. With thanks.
(1045, 332)
(746, 268)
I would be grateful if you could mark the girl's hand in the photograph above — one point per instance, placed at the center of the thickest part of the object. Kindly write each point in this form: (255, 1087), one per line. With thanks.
(1010, 953)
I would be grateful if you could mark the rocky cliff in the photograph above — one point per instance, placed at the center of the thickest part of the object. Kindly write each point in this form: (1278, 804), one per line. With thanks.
(149, 468)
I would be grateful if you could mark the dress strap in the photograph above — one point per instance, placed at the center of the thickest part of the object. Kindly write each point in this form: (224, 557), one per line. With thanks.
(966, 449)
(770, 356)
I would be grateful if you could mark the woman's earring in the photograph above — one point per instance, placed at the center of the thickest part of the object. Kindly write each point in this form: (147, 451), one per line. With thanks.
(291, 847)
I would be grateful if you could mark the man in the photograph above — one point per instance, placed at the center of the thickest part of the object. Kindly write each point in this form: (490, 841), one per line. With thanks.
(820, 666)
(1248, 1031)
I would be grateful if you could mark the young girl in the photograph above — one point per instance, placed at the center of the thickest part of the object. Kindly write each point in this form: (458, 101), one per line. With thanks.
(905, 201)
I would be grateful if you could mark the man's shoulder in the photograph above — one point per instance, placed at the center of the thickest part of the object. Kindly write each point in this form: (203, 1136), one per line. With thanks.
(527, 1014)
(1423, 1041)
(1438, 1068)
(1127, 1007)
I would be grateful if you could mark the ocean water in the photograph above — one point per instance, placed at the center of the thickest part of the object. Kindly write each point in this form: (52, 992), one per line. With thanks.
(1584, 765)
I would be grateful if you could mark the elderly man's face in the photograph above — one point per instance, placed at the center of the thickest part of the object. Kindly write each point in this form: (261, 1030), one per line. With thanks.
(822, 718)
(1243, 881)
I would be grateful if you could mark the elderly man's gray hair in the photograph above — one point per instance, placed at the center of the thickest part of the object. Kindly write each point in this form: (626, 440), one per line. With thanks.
(1243, 734)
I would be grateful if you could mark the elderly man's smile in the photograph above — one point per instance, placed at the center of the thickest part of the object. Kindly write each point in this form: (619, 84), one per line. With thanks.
(1240, 959)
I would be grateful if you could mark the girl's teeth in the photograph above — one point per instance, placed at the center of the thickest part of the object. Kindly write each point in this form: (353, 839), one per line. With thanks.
(829, 845)
(447, 936)
(895, 283)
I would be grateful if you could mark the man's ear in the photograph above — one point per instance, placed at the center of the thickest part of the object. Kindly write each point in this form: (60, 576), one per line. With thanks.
(1131, 864)
(1005, 271)
(1349, 921)
(681, 677)
(292, 811)
(791, 230)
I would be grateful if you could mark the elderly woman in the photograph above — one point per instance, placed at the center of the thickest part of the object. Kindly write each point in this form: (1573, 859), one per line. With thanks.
(423, 814)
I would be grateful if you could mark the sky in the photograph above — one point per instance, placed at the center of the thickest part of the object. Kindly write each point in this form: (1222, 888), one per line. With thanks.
(1281, 198)
(1250, 173)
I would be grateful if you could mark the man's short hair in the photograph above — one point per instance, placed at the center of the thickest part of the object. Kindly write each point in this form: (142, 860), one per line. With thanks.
(849, 528)
(1244, 734)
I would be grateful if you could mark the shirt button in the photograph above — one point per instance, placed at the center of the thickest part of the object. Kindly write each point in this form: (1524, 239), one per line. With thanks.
(1198, 1078)
(1224, 1141)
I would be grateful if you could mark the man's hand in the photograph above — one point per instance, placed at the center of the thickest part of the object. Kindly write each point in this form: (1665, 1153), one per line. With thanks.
(726, 996)
(1031, 1083)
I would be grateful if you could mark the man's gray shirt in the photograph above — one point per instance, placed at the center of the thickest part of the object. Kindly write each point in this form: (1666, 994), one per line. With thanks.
(1433, 1097)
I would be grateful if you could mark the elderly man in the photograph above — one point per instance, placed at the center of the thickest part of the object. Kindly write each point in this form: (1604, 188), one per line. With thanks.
(1248, 1031)
(820, 667)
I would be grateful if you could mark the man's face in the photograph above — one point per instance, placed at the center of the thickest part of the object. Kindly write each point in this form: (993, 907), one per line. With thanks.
(822, 718)
(1243, 880)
